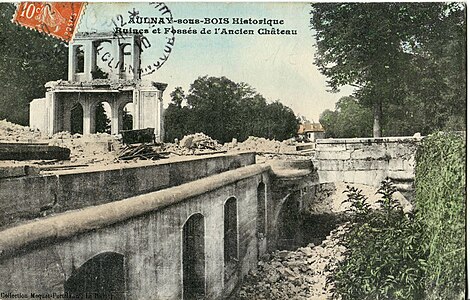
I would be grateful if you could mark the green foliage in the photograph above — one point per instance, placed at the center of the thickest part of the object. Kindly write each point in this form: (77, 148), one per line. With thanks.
(177, 117)
(224, 109)
(440, 205)
(350, 119)
(385, 259)
(102, 122)
(28, 60)
(406, 60)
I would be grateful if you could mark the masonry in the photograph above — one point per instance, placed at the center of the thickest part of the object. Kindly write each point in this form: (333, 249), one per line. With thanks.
(185, 229)
(197, 234)
(368, 161)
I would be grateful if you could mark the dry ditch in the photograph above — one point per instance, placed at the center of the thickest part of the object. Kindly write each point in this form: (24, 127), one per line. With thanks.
(299, 274)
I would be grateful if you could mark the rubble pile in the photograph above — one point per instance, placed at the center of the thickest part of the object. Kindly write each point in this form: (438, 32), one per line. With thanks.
(93, 148)
(10, 132)
(197, 143)
(262, 145)
(300, 274)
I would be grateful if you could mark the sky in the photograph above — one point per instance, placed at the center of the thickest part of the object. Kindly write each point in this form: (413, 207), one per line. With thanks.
(280, 67)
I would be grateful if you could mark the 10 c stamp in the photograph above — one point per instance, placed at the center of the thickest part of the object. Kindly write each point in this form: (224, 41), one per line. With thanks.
(58, 19)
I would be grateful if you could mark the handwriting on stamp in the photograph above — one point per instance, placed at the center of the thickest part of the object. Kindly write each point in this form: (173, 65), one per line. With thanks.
(57, 19)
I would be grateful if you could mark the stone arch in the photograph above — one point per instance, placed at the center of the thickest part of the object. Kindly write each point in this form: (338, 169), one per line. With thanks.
(261, 218)
(76, 118)
(288, 223)
(230, 231)
(103, 115)
(127, 115)
(193, 260)
(103, 276)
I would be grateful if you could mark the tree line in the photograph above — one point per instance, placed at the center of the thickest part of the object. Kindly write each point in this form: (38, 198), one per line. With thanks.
(407, 62)
(224, 109)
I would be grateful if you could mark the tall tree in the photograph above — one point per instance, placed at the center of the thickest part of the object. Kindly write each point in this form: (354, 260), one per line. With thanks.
(28, 59)
(389, 51)
(176, 116)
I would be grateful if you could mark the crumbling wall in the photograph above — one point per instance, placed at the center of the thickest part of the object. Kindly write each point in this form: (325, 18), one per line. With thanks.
(368, 161)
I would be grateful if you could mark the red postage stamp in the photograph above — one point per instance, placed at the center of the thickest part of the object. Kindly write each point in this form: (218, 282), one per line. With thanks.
(58, 19)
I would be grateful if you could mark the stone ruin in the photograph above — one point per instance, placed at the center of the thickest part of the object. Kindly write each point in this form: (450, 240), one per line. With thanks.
(88, 85)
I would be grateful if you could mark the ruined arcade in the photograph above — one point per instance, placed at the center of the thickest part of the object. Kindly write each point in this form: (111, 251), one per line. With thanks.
(88, 85)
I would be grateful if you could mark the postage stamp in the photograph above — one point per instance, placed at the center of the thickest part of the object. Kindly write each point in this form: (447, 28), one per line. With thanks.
(58, 19)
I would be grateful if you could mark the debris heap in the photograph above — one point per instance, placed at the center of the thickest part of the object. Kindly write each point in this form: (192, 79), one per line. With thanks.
(300, 274)
(10, 132)
(262, 145)
(194, 144)
(92, 148)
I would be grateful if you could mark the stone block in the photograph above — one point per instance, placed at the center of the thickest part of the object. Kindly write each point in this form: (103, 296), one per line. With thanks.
(395, 164)
(409, 164)
(330, 165)
(377, 153)
(330, 176)
(372, 178)
(401, 175)
(379, 165)
(319, 155)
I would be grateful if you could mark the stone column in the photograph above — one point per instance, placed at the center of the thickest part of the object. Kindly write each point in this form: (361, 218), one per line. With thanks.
(72, 62)
(115, 115)
(136, 118)
(88, 116)
(159, 133)
(51, 111)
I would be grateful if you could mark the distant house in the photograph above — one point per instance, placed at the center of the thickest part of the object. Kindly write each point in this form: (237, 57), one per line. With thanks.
(311, 131)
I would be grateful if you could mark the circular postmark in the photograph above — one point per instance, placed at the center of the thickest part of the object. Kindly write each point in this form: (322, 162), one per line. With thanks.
(150, 25)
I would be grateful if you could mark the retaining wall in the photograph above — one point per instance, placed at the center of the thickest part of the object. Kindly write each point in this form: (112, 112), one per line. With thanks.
(367, 161)
(30, 197)
(40, 256)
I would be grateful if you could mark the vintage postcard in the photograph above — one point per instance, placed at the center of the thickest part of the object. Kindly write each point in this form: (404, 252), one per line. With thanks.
(200, 150)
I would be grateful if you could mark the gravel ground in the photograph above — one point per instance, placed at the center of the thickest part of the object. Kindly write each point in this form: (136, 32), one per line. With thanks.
(299, 274)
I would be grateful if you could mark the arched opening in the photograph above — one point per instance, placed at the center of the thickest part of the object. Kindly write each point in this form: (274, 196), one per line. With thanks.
(288, 224)
(76, 119)
(128, 116)
(103, 117)
(230, 237)
(193, 258)
(261, 218)
(101, 277)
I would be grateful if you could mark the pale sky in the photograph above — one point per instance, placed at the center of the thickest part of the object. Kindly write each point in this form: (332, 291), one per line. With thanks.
(277, 66)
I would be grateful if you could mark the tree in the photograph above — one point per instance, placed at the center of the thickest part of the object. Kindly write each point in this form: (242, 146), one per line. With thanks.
(176, 116)
(393, 53)
(224, 109)
(28, 59)
(350, 119)
(102, 122)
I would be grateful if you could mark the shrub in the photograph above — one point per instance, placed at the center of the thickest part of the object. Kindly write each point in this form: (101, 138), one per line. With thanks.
(384, 259)
(440, 207)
